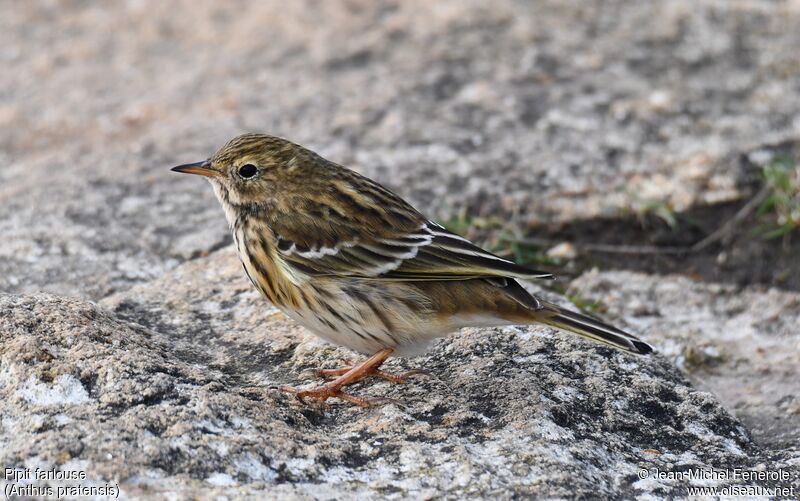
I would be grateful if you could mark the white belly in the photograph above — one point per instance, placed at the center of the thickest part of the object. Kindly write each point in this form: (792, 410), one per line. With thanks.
(382, 320)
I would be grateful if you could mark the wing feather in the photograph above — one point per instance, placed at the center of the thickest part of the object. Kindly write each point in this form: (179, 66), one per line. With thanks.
(428, 253)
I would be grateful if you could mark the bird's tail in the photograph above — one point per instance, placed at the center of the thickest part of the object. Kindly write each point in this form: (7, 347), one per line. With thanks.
(591, 328)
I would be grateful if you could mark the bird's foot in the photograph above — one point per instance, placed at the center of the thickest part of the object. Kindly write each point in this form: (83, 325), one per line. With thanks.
(350, 375)
(329, 390)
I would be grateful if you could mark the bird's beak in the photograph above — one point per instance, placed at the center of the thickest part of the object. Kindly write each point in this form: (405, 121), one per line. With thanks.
(201, 168)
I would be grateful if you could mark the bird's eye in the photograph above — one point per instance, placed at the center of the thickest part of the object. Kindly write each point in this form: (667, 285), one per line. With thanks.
(248, 170)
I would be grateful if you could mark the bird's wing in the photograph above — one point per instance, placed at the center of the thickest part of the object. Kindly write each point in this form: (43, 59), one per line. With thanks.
(419, 251)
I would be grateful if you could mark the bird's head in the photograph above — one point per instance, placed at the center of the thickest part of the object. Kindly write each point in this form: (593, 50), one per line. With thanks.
(250, 168)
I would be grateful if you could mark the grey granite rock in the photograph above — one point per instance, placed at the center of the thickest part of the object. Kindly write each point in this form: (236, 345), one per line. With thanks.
(742, 344)
(168, 388)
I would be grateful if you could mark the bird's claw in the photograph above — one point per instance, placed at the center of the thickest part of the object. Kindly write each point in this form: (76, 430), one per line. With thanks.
(324, 392)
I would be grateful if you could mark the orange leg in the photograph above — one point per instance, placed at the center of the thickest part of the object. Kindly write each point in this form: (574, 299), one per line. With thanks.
(350, 376)
(388, 376)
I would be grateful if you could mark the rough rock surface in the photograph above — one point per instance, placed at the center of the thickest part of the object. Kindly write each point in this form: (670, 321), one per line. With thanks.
(167, 387)
(742, 344)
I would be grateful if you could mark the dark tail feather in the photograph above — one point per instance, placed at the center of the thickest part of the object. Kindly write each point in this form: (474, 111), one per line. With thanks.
(591, 328)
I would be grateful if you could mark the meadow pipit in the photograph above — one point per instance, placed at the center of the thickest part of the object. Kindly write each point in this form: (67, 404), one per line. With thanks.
(358, 266)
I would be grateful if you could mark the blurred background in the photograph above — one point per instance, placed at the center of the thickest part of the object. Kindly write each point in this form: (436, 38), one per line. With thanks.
(619, 135)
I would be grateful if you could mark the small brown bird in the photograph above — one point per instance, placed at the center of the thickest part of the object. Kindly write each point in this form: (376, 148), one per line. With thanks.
(358, 266)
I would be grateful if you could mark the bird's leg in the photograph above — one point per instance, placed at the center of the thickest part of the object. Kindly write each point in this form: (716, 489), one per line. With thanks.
(401, 378)
(352, 375)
